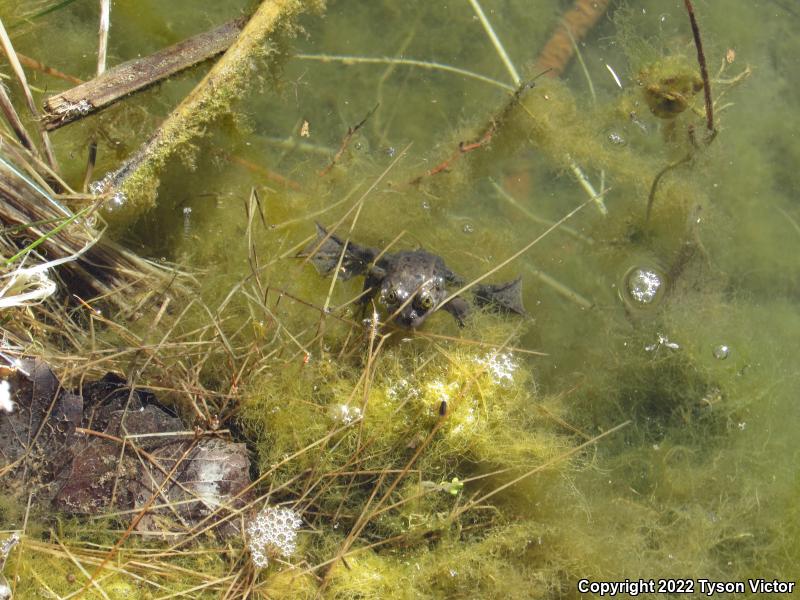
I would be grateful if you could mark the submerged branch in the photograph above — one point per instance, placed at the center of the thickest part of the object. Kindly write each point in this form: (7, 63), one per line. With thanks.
(137, 180)
(136, 75)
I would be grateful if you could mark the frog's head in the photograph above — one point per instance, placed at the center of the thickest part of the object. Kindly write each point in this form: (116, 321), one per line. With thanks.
(411, 304)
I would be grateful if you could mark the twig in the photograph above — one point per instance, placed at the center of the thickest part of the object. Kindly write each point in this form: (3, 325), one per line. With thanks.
(14, 121)
(406, 62)
(34, 64)
(136, 75)
(498, 46)
(482, 140)
(102, 51)
(102, 48)
(143, 511)
(351, 131)
(256, 168)
(560, 288)
(701, 60)
(587, 186)
(8, 47)
(654, 187)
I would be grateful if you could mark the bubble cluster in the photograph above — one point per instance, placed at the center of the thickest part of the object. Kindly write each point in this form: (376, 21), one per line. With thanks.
(345, 414)
(402, 389)
(273, 531)
(106, 185)
(499, 365)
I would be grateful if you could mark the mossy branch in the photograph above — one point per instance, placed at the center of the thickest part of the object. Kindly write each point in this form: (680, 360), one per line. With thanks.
(137, 180)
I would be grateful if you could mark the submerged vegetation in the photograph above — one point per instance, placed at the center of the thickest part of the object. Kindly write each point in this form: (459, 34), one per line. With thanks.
(639, 423)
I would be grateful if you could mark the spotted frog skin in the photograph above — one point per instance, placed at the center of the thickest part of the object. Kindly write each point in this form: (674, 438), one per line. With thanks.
(410, 285)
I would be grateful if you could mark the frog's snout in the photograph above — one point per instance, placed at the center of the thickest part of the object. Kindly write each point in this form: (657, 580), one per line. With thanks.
(409, 318)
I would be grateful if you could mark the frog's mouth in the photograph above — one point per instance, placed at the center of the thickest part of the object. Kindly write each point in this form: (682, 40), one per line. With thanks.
(410, 317)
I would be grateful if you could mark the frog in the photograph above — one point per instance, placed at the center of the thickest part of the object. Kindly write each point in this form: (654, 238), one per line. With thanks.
(410, 285)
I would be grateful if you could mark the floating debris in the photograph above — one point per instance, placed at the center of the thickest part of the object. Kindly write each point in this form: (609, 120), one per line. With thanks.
(616, 139)
(5, 549)
(81, 430)
(187, 221)
(6, 403)
(661, 342)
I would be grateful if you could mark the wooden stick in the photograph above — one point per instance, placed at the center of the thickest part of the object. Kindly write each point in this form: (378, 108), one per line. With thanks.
(136, 75)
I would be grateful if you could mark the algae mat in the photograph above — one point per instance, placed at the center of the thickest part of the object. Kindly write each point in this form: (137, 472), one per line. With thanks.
(638, 424)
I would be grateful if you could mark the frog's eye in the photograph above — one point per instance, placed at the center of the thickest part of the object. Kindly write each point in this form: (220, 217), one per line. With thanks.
(391, 297)
(425, 301)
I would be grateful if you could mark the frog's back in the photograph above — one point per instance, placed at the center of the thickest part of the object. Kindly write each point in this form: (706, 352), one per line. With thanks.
(415, 267)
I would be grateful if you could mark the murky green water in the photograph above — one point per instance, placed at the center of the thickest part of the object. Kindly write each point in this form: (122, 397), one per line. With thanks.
(702, 482)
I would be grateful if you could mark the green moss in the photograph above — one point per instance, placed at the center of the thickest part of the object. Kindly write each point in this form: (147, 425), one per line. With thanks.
(702, 480)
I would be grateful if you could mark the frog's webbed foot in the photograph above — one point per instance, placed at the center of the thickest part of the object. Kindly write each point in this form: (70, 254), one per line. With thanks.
(459, 308)
(326, 252)
(506, 297)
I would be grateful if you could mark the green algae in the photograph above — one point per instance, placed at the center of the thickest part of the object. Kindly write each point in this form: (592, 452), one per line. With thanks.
(701, 483)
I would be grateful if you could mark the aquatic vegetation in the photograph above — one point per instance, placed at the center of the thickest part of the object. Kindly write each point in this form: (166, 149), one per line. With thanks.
(639, 422)
(669, 86)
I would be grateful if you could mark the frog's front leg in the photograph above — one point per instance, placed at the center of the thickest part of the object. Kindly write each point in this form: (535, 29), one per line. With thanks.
(452, 278)
(459, 308)
(372, 283)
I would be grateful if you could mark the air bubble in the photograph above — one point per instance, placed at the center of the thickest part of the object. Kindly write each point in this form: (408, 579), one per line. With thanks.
(721, 352)
(644, 286)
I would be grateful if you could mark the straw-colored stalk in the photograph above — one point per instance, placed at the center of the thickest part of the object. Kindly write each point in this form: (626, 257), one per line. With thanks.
(11, 54)
(30, 210)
